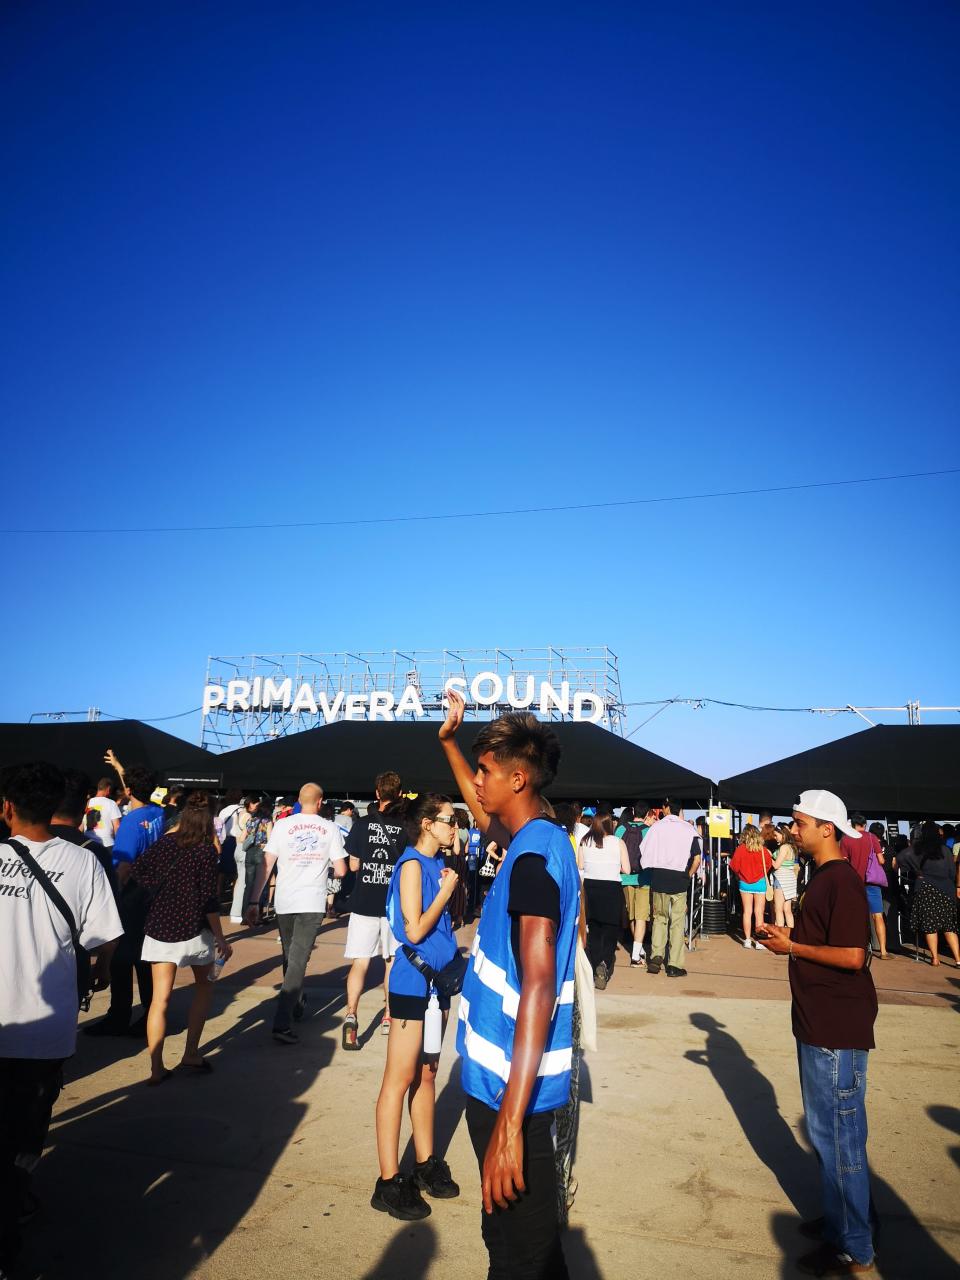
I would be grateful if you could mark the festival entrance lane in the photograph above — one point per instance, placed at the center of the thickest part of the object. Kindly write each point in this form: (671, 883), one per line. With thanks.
(691, 1159)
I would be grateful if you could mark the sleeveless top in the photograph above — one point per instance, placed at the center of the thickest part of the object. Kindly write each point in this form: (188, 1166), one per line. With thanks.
(439, 946)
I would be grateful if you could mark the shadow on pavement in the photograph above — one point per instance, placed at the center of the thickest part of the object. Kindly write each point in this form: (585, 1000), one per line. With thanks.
(409, 1254)
(581, 1262)
(905, 1249)
(149, 1182)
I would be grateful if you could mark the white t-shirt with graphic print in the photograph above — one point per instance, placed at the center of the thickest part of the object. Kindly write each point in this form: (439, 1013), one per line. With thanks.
(305, 844)
(38, 971)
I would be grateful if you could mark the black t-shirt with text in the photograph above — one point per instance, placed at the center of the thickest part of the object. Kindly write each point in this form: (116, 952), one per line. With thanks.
(378, 841)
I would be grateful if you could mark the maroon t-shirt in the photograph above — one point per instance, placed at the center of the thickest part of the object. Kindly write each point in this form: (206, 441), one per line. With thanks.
(857, 852)
(833, 1008)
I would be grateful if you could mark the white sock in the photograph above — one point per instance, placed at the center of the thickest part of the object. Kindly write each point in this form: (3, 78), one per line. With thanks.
(637, 951)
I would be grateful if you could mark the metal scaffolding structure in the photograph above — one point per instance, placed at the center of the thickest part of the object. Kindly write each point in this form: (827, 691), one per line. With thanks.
(590, 669)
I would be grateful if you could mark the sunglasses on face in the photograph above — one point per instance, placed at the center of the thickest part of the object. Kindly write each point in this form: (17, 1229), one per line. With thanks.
(449, 819)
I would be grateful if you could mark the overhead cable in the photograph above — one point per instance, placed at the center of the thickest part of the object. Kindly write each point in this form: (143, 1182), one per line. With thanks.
(488, 515)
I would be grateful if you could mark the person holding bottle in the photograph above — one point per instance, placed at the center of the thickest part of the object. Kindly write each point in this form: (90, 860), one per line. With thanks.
(420, 889)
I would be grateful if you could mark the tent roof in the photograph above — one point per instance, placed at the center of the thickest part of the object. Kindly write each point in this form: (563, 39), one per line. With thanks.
(894, 771)
(82, 744)
(345, 757)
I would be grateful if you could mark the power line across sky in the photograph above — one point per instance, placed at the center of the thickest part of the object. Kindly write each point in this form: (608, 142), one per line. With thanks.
(648, 500)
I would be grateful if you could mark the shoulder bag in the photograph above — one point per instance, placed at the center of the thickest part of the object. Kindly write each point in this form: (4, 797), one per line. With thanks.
(84, 986)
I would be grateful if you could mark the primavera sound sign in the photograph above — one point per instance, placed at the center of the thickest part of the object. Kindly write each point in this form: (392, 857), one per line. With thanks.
(485, 689)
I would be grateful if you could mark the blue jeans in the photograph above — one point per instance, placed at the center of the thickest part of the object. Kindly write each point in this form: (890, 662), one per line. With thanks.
(833, 1083)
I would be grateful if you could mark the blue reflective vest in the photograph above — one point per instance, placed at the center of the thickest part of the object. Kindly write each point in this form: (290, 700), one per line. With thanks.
(491, 988)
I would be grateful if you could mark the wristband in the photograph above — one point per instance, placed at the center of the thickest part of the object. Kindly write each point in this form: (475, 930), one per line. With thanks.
(790, 950)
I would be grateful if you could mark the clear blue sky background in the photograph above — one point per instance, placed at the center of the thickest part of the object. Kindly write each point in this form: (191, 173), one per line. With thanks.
(307, 261)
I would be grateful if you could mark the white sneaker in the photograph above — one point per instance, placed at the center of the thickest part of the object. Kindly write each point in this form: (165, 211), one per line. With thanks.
(747, 943)
(759, 946)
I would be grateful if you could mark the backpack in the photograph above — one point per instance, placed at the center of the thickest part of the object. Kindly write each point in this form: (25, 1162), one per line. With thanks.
(633, 838)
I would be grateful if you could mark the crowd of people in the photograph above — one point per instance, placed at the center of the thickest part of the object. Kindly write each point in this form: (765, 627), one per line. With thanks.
(101, 884)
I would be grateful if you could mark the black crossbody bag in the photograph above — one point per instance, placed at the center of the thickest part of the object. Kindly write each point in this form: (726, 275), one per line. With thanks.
(448, 980)
(84, 984)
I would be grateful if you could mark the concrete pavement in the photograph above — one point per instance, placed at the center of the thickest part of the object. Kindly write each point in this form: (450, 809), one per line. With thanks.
(691, 1159)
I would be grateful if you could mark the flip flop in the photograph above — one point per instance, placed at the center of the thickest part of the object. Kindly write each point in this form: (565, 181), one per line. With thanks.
(152, 1084)
(201, 1068)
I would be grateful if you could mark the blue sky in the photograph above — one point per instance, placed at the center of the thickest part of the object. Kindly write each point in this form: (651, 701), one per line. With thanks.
(303, 262)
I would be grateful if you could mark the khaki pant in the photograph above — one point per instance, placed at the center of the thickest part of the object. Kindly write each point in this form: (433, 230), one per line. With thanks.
(672, 906)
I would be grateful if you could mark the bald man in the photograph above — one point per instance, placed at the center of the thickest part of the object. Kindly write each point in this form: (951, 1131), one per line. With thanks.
(302, 847)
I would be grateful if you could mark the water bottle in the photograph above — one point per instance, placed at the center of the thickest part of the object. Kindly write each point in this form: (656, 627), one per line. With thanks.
(432, 1025)
(217, 969)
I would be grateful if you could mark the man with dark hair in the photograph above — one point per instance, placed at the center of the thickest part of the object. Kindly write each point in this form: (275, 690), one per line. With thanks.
(373, 844)
(865, 855)
(834, 1009)
(637, 883)
(515, 1033)
(107, 810)
(38, 973)
(140, 827)
(65, 823)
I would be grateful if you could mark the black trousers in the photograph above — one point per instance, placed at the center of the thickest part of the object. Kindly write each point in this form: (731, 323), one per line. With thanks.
(602, 944)
(126, 958)
(28, 1089)
(523, 1241)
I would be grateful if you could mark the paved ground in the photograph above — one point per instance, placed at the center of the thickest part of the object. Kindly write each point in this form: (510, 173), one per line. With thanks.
(691, 1160)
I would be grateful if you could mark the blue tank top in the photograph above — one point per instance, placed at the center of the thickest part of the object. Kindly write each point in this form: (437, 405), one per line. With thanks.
(438, 947)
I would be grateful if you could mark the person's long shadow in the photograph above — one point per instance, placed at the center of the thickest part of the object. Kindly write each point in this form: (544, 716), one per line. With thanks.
(150, 1182)
(754, 1102)
(905, 1247)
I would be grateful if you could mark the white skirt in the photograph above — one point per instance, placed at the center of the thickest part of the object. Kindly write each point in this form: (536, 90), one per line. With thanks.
(193, 951)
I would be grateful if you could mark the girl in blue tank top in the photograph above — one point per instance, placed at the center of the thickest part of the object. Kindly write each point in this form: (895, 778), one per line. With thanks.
(420, 888)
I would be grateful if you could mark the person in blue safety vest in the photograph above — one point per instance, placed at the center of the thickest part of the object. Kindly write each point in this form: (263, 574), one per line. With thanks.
(515, 1029)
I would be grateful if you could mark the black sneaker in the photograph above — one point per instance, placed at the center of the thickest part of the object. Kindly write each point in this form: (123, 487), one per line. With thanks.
(400, 1198)
(654, 964)
(286, 1037)
(433, 1176)
(601, 977)
(673, 971)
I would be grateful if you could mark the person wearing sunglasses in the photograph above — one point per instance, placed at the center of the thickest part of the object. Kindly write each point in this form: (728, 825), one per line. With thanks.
(420, 890)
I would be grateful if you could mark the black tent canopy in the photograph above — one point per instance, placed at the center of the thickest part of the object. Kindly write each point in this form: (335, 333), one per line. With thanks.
(83, 744)
(345, 757)
(906, 771)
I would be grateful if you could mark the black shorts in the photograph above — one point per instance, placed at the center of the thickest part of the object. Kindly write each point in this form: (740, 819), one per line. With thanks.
(413, 1007)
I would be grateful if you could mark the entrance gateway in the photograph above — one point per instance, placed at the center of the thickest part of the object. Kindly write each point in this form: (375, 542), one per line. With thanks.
(257, 697)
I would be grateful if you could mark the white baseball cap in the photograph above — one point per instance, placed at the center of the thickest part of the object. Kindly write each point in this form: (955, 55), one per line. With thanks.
(828, 808)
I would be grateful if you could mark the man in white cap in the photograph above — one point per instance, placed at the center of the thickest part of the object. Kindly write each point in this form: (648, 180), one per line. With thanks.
(834, 1009)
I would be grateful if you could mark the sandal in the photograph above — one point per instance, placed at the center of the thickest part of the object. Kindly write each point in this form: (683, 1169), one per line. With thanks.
(161, 1079)
(201, 1068)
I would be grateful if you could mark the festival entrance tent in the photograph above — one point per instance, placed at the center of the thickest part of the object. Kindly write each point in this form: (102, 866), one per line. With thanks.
(345, 757)
(895, 771)
(83, 744)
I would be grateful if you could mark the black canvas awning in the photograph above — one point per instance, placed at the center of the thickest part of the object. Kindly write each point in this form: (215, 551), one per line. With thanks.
(82, 745)
(905, 771)
(346, 757)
